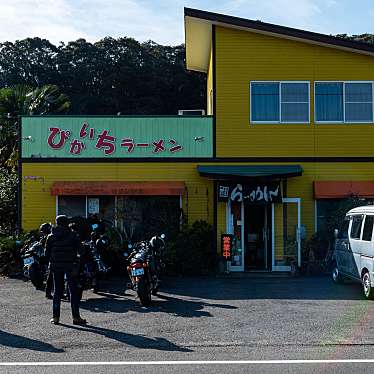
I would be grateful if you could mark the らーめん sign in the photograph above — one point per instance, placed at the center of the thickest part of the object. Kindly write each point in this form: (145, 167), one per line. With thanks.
(250, 193)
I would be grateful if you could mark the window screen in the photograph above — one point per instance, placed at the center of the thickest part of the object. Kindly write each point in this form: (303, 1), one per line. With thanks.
(356, 227)
(294, 102)
(368, 228)
(358, 102)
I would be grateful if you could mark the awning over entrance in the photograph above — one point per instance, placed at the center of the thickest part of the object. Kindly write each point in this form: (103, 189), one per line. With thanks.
(118, 188)
(342, 189)
(254, 171)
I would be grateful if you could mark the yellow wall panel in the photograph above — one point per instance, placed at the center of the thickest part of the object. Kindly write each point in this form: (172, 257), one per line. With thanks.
(39, 206)
(209, 92)
(242, 57)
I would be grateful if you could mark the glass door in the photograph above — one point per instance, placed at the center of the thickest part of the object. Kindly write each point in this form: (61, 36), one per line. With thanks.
(235, 226)
(286, 241)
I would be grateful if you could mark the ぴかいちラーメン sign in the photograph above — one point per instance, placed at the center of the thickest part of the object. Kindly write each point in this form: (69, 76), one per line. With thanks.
(117, 137)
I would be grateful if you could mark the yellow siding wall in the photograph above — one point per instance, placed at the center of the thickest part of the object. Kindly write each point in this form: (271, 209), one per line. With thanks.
(39, 206)
(243, 56)
(209, 92)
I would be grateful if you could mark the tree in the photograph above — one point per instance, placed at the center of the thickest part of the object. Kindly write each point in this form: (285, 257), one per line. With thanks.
(24, 100)
(106, 77)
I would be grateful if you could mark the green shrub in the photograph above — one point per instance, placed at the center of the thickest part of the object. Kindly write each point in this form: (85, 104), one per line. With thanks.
(191, 252)
(8, 197)
(10, 252)
(9, 256)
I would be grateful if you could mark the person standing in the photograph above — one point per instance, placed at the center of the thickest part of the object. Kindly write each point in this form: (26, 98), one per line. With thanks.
(62, 248)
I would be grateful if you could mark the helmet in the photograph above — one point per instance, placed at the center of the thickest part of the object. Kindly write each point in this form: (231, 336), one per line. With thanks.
(45, 228)
(157, 241)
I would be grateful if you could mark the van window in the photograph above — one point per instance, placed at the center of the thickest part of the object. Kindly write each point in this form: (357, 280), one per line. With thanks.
(368, 228)
(343, 231)
(356, 227)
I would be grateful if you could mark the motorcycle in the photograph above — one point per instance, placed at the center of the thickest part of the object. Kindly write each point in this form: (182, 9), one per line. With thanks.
(144, 267)
(91, 265)
(35, 265)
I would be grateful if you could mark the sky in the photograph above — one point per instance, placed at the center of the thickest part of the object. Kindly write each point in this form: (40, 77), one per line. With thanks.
(162, 21)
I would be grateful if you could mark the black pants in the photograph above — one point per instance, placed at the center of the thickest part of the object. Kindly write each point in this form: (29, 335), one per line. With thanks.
(58, 277)
(49, 283)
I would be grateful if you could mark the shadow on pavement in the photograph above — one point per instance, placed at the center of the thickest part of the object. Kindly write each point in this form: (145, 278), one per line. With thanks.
(187, 308)
(138, 341)
(17, 341)
(282, 288)
(112, 303)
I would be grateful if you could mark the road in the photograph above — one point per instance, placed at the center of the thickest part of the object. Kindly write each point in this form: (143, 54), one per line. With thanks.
(193, 319)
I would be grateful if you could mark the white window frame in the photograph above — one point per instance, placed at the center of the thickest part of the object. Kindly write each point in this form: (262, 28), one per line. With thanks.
(344, 102)
(280, 103)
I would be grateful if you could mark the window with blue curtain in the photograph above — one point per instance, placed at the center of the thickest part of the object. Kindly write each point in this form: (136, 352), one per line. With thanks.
(280, 102)
(329, 102)
(265, 102)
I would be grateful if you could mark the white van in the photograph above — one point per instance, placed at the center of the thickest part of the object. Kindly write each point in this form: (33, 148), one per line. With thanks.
(354, 249)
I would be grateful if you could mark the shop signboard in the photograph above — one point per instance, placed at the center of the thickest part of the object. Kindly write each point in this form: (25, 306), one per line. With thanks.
(116, 137)
(250, 193)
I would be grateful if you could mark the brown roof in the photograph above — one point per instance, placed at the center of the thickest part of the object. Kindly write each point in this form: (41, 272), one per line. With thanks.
(260, 26)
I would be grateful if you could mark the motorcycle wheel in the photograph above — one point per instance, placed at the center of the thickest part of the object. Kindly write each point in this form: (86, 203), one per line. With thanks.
(143, 293)
(36, 276)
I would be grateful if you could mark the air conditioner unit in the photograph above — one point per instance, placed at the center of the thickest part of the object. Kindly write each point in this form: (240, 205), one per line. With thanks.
(191, 112)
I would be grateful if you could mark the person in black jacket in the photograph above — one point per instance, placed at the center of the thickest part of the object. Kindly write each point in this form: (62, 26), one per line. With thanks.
(61, 248)
(45, 230)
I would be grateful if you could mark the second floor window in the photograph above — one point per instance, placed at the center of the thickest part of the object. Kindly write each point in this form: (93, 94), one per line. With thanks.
(280, 102)
(346, 102)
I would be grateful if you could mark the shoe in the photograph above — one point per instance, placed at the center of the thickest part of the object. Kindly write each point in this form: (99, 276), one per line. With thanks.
(79, 321)
(55, 320)
(49, 297)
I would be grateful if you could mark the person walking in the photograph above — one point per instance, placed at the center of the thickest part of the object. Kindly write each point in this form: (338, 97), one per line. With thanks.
(45, 230)
(62, 248)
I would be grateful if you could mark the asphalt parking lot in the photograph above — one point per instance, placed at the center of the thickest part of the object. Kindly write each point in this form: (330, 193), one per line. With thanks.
(193, 319)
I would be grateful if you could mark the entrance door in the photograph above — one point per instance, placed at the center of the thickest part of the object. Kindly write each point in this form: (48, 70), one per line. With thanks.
(257, 225)
(286, 238)
(235, 226)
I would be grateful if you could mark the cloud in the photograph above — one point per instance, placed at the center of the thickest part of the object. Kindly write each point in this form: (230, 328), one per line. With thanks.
(65, 20)
(161, 20)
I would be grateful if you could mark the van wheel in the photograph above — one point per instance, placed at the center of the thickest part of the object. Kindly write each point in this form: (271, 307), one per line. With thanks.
(335, 274)
(366, 286)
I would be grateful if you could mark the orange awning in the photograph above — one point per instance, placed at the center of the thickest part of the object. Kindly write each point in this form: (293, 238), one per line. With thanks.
(118, 188)
(342, 189)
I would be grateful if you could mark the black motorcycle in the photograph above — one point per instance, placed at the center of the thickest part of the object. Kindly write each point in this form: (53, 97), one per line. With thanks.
(91, 266)
(145, 264)
(35, 265)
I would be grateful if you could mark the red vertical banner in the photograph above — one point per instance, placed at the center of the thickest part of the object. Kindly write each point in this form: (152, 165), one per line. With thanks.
(226, 245)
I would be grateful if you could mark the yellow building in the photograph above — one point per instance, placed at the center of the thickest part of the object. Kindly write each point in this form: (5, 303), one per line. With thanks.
(289, 136)
(282, 97)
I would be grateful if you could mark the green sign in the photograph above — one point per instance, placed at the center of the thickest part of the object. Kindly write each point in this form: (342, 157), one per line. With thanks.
(116, 137)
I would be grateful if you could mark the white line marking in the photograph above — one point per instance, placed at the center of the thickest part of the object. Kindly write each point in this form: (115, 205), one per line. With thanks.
(150, 363)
